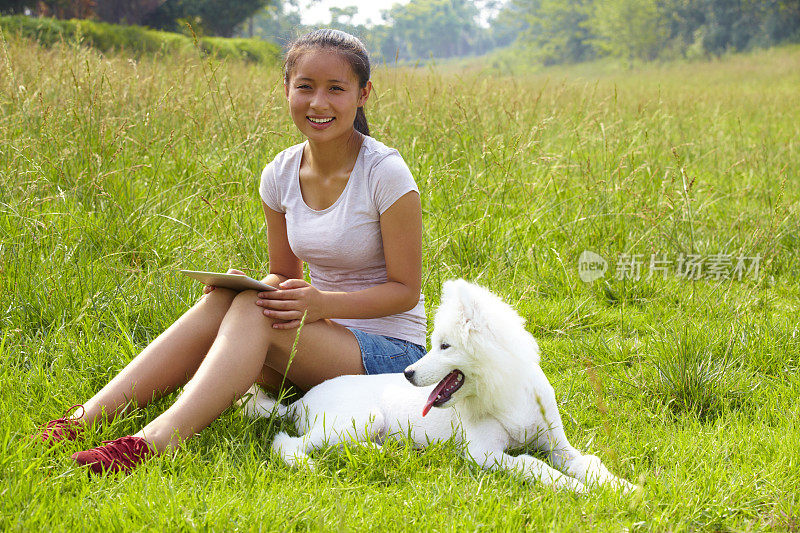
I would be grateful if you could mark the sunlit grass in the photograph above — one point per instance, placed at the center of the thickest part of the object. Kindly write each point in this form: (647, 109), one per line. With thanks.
(115, 173)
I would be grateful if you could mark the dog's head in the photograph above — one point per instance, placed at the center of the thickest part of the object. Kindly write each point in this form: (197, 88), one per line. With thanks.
(477, 340)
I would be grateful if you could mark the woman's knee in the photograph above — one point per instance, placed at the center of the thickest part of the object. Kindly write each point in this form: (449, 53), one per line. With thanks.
(219, 297)
(244, 303)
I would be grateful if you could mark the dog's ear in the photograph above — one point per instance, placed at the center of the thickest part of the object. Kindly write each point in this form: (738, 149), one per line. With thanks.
(460, 293)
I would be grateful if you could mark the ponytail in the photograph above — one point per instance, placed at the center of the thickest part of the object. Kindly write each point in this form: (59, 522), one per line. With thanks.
(360, 123)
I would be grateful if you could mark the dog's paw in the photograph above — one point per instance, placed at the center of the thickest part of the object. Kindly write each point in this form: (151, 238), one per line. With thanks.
(255, 403)
(591, 470)
(291, 451)
(571, 484)
(301, 462)
(626, 487)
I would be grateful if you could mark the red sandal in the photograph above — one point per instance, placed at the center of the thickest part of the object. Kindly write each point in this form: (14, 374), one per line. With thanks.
(119, 455)
(60, 429)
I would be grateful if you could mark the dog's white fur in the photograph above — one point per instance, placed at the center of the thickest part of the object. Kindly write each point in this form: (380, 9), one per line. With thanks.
(505, 400)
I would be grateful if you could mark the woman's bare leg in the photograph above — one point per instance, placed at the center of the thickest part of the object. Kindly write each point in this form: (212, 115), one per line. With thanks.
(244, 343)
(276, 383)
(166, 363)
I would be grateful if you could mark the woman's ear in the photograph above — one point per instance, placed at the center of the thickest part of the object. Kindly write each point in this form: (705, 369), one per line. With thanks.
(364, 93)
(286, 89)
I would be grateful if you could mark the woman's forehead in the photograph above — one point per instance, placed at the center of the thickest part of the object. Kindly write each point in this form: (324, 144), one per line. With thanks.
(323, 65)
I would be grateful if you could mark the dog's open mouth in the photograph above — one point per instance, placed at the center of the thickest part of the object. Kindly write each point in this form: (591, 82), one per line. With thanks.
(444, 390)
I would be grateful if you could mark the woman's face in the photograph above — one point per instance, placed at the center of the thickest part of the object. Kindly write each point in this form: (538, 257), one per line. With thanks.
(323, 95)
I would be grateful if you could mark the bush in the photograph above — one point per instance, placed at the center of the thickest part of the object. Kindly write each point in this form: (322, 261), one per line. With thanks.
(136, 39)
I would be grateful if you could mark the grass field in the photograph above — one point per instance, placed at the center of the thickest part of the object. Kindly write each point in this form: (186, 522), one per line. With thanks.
(116, 172)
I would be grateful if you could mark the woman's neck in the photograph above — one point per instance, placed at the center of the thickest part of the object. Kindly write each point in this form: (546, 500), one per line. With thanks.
(332, 156)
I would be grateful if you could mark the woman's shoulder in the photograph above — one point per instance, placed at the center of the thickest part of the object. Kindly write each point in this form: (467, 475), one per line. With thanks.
(286, 158)
(276, 176)
(376, 152)
(387, 175)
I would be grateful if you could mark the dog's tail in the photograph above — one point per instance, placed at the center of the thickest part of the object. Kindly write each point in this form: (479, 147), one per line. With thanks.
(257, 404)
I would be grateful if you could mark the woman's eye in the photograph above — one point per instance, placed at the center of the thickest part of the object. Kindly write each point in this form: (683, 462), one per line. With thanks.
(444, 346)
(336, 88)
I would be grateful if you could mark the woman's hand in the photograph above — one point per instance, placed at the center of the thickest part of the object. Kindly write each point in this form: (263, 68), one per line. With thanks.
(209, 288)
(293, 298)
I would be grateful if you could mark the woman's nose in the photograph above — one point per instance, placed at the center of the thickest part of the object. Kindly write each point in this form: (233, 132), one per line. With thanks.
(318, 99)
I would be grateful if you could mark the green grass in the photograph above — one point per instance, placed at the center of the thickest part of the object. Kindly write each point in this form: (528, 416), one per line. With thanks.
(115, 172)
(136, 40)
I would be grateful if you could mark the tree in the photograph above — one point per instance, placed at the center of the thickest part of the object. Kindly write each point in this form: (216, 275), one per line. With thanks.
(276, 23)
(508, 25)
(126, 11)
(63, 9)
(216, 17)
(14, 7)
(432, 28)
(629, 29)
(346, 13)
(557, 31)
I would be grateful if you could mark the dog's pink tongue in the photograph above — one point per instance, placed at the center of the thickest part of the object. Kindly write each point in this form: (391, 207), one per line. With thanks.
(434, 393)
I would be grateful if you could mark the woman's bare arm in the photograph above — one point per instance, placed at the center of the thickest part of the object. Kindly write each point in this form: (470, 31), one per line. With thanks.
(401, 232)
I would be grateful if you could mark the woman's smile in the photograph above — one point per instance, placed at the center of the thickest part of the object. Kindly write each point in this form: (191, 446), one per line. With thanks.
(320, 123)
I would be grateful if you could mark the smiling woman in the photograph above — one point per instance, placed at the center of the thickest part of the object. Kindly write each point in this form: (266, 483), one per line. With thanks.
(342, 74)
(344, 203)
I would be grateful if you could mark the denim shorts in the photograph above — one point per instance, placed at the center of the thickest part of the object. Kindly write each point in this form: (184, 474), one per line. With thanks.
(386, 355)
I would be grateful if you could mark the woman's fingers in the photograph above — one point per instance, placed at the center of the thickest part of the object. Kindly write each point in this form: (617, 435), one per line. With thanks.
(280, 305)
(208, 288)
(294, 284)
(283, 315)
(287, 325)
(289, 294)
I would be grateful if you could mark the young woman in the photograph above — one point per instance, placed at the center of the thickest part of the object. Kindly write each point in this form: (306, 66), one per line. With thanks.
(342, 202)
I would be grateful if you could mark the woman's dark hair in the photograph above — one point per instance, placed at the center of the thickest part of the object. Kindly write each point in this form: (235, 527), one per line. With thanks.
(350, 48)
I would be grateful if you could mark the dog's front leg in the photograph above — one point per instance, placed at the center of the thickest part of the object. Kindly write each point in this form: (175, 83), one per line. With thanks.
(587, 468)
(524, 466)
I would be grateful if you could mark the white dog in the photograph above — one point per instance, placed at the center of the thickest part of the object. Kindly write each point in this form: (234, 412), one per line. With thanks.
(483, 372)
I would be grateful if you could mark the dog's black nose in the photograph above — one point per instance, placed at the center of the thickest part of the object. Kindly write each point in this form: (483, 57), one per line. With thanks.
(409, 373)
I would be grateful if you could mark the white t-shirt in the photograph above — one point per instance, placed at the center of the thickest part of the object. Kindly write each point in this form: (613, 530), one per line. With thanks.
(342, 244)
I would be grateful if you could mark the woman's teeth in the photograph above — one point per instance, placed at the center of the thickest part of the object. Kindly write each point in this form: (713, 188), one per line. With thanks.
(320, 120)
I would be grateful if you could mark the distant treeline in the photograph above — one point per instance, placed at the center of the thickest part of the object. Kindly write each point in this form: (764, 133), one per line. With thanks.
(418, 29)
(553, 31)
(542, 31)
(207, 17)
(136, 39)
(562, 31)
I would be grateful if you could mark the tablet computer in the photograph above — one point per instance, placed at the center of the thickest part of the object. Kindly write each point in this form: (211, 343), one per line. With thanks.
(237, 282)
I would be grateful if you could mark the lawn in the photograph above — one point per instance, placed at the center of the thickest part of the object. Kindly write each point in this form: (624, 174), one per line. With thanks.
(678, 366)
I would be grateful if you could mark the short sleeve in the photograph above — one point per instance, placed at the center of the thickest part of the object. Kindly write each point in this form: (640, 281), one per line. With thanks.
(391, 179)
(269, 189)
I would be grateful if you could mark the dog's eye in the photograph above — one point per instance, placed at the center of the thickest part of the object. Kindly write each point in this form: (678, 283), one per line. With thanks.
(444, 346)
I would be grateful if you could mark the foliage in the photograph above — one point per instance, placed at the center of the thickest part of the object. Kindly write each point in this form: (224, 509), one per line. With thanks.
(214, 17)
(576, 30)
(419, 29)
(279, 22)
(125, 11)
(629, 29)
(556, 30)
(431, 28)
(16, 6)
(135, 39)
(63, 9)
